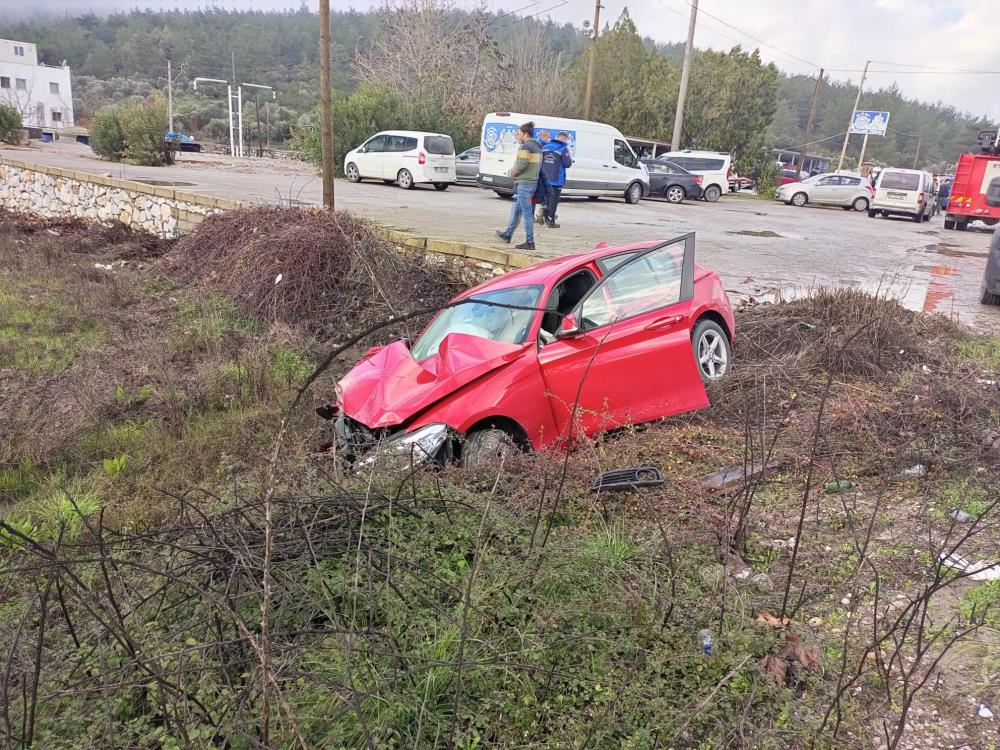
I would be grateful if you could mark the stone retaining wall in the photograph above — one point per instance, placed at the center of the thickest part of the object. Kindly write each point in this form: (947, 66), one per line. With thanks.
(55, 193)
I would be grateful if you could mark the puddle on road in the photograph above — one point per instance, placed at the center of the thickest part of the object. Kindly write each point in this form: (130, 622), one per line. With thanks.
(162, 183)
(755, 233)
(960, 253)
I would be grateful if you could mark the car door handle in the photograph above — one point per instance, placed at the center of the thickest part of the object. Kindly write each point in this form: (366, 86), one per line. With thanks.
(662, 324)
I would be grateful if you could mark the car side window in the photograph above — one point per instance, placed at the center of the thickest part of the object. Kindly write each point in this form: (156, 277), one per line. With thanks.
(376, 144)
(855, 181)
(827, 181)
(646, 283)
(623, 154)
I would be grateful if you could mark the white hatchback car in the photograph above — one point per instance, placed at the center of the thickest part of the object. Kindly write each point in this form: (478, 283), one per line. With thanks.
(845, 190)
(405, 157)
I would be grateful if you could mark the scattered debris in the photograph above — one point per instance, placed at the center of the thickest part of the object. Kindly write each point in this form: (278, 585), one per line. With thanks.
(775, 622)
(734, 478)
(961, 516)
(784, 667)
(781, 543)
(620, 480)
(985, 712)
(915, 471)
(707, 639)
(982, 570)
(815, 622)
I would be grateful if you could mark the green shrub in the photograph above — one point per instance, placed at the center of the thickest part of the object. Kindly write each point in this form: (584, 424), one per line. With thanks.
(106, 137)
(10, 124)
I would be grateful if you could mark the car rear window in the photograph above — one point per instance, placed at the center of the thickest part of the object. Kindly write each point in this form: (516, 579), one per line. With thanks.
(708, 165)
(900, 181)
(439, 144)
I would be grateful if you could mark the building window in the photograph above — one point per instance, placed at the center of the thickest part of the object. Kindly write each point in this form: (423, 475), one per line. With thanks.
(18, 51)
(56, 117)
(21, 84)
(53, 88)
(4, 82)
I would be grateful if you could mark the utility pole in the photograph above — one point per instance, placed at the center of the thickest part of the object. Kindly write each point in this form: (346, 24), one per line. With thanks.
(593, 57)
(857, 100)
(809, 124)
(675, 142)
(326, 102)
(916, 156)
(170, 98)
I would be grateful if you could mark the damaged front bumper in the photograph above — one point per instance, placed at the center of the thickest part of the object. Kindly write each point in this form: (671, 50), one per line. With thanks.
(363, 447)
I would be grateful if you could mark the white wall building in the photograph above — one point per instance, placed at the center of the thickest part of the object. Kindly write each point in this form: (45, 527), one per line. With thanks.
(41, 93)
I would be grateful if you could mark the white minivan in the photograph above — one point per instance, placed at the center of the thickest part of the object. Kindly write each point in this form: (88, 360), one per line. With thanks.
(713, 166)
(603, 162)
(906, 192)
(405, 157)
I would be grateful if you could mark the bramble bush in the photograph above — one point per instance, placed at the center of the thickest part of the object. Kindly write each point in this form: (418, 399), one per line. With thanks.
(132, 132)
(10, 124)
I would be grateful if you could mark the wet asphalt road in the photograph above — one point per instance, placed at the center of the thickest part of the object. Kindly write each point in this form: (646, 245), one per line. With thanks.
(762, 249)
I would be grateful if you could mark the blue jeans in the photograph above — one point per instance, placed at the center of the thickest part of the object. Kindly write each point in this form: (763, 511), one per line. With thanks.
(522, 207)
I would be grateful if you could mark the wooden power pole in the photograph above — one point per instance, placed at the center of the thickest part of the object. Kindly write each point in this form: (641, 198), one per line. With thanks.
(326, 102)
(593, 57)
(916, 155)
(809, 124)
(675, 142)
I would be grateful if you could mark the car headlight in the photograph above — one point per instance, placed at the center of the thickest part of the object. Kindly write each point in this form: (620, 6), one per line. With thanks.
(410, 448)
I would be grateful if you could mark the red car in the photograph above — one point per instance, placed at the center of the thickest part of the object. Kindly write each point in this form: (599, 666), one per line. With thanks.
(538, 357)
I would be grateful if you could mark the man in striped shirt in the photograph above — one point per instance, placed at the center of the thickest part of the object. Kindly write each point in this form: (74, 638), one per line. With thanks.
(527, 165)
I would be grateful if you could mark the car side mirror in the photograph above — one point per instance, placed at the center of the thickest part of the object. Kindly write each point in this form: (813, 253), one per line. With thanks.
(568, 327)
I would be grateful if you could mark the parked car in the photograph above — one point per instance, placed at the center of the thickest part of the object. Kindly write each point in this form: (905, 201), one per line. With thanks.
(405, 157)
(845, 190)
(538, 357)
(467, 165)
(672, 182)
(789, 175)
(713, 166)
(904, 192)
(738, 183)
(603, 162)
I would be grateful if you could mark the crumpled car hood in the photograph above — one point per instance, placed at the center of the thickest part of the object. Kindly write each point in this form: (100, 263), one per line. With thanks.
(390, 386)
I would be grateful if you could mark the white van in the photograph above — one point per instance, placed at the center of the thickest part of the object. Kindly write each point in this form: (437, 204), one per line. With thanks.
(713, 166)
(603, 162)
(904, 192)
(405, 157)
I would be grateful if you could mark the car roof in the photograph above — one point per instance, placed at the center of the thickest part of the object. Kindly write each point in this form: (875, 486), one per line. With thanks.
(410, 133)
(694, 153)
(548, 270)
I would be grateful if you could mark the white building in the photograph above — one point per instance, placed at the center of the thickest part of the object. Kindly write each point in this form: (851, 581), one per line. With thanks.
(41, 93)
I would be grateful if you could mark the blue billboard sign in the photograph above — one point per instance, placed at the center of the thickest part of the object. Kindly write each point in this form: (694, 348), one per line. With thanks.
(869, 123)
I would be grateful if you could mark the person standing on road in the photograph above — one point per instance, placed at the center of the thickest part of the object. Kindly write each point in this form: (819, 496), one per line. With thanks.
(525, 171)
(555, 160)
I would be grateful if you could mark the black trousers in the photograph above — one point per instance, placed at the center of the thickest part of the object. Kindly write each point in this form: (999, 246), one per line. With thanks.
(552, 202)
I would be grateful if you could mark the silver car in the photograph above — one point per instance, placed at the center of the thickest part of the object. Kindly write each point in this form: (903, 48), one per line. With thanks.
(844, 190)
(467, 165)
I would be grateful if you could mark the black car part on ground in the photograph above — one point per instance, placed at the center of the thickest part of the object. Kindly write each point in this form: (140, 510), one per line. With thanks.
(620, 480)
(990, 294)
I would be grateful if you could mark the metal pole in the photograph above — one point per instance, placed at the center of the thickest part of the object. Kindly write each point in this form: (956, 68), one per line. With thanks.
(809, 123)
(229, 103)
(326, 102)
(864, 147)
(916, 156)
(857, 100)
(170, 98)
(593, 56)
(675, 142)
(239, 110)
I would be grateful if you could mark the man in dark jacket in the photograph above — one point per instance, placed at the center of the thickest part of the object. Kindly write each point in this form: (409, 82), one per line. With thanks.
(555, 160)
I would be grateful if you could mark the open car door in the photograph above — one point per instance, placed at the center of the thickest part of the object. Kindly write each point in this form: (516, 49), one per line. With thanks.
(624, 355)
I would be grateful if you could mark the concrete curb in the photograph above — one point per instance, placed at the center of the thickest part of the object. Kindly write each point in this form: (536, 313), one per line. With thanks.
(507, 260)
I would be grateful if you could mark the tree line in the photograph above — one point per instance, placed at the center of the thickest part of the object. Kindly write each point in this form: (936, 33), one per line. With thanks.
(470, 62)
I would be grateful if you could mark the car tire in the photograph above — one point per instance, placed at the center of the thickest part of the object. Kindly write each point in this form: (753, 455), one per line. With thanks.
(712, 193)
(404, 179)
(713, 353)
(919, 217)
(988, 298)
(960, 225)
(352, 172)
(634, 193)
(990, 222)
(949, 223)
(439, 186)
(800, 199)
(483, 449)
(674, 194)
(504, 194)
(872, 214)
(847, 208)
(860, 204)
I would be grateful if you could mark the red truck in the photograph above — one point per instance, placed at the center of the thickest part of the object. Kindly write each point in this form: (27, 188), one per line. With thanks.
(973, 175)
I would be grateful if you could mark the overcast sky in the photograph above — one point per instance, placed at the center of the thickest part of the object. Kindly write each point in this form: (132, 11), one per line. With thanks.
(836, 34)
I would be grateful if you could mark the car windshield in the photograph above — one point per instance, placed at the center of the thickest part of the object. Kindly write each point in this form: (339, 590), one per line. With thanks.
(439, 144)
(491, 315)
(900, 181)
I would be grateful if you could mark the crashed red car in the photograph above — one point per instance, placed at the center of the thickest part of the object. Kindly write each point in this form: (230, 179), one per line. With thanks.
(572, 346)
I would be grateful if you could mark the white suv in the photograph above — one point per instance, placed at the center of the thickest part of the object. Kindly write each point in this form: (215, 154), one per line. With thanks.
(713, 166)
(405, 157)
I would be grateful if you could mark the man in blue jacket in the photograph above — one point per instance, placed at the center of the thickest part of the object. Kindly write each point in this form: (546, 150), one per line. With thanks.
(555, 160)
